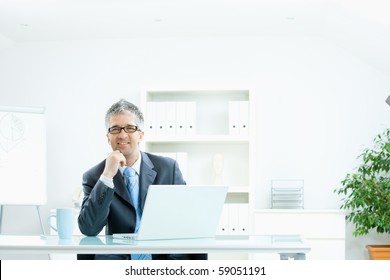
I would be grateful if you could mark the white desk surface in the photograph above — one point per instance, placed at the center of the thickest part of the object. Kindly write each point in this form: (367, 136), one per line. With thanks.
(79, 244)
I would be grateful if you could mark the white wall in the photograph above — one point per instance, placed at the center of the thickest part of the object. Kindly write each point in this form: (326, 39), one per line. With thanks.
(317, 106)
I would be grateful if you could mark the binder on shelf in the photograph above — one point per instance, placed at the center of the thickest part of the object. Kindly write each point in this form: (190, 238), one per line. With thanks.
(234, 117)
(170, 109)
(190, 118)
(160, 117)
(244, 117)
(224, 221)
(150, 120)
(181, 118)
(243, 218)
(233, 219)
(238, 218)
(239, 117)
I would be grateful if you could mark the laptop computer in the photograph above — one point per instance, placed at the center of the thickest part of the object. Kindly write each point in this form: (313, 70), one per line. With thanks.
(179, 212)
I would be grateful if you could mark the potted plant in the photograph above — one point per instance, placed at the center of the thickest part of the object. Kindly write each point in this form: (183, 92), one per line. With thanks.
(366, 192)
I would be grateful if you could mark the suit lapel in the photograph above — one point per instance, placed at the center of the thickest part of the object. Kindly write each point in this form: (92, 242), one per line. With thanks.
(120, 187)
(146, 178)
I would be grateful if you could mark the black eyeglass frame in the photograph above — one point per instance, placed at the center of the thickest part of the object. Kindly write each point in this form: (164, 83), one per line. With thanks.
(127, 129)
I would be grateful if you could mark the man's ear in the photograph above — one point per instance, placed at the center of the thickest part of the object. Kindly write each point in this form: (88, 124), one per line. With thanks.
(141, 135)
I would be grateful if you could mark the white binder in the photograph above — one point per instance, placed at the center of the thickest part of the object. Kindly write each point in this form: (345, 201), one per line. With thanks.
(160, 116)
(244, 117)
(191, 118)
(223, 226)
(233, 219)
(234, 117)
(243, 218)
(170, 110)
(150, 121)
(181, 118)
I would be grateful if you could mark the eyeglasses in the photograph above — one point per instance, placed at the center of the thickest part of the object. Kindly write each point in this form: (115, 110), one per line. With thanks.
(127, 129)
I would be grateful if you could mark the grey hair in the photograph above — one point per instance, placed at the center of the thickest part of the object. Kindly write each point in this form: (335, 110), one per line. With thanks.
(123, 106)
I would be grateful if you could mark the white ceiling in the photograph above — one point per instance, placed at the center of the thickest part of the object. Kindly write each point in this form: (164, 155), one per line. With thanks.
(360, 26)
(48, 20)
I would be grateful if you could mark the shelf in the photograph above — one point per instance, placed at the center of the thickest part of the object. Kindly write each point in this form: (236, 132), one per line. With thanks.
(238, 189)
(198, 139)
(197, 95)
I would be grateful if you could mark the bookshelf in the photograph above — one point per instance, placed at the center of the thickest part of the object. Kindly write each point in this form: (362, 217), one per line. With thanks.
(208, 132)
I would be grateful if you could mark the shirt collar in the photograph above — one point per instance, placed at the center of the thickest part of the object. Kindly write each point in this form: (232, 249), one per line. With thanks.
(136, 166)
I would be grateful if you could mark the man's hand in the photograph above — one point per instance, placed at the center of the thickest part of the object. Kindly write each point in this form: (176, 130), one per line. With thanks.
(113, 161)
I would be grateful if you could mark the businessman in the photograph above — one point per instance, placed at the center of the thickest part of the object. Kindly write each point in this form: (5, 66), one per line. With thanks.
(107, 201)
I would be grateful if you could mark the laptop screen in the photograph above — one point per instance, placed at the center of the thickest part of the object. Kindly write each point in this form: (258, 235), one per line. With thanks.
(181, 211)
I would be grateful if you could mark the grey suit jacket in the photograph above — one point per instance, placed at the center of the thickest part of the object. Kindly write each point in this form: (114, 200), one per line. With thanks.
(113, 208)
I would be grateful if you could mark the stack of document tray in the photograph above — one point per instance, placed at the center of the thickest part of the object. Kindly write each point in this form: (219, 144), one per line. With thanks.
(287, 194)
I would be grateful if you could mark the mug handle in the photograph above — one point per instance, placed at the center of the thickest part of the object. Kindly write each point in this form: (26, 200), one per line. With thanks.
(49, 220)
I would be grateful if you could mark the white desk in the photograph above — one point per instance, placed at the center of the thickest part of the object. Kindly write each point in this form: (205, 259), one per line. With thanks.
(287, 246)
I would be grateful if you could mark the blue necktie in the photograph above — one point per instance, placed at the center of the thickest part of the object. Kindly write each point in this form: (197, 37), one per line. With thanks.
(133, 187)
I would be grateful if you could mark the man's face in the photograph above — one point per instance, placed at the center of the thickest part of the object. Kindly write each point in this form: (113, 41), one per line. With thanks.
(126, 143)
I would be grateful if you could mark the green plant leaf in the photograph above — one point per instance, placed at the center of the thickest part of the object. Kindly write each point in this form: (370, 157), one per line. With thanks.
(365, 194)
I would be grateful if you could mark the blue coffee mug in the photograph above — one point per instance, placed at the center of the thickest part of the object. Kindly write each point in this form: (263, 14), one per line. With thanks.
(64, 222)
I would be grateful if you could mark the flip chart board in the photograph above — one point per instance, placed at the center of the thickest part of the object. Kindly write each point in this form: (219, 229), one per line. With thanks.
(22, 156)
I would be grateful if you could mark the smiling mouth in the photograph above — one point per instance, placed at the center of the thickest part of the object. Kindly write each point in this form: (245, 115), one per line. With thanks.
(123, 143)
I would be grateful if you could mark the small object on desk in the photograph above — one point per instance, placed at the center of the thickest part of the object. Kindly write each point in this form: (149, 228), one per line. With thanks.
(123, 241)
(126, 236)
